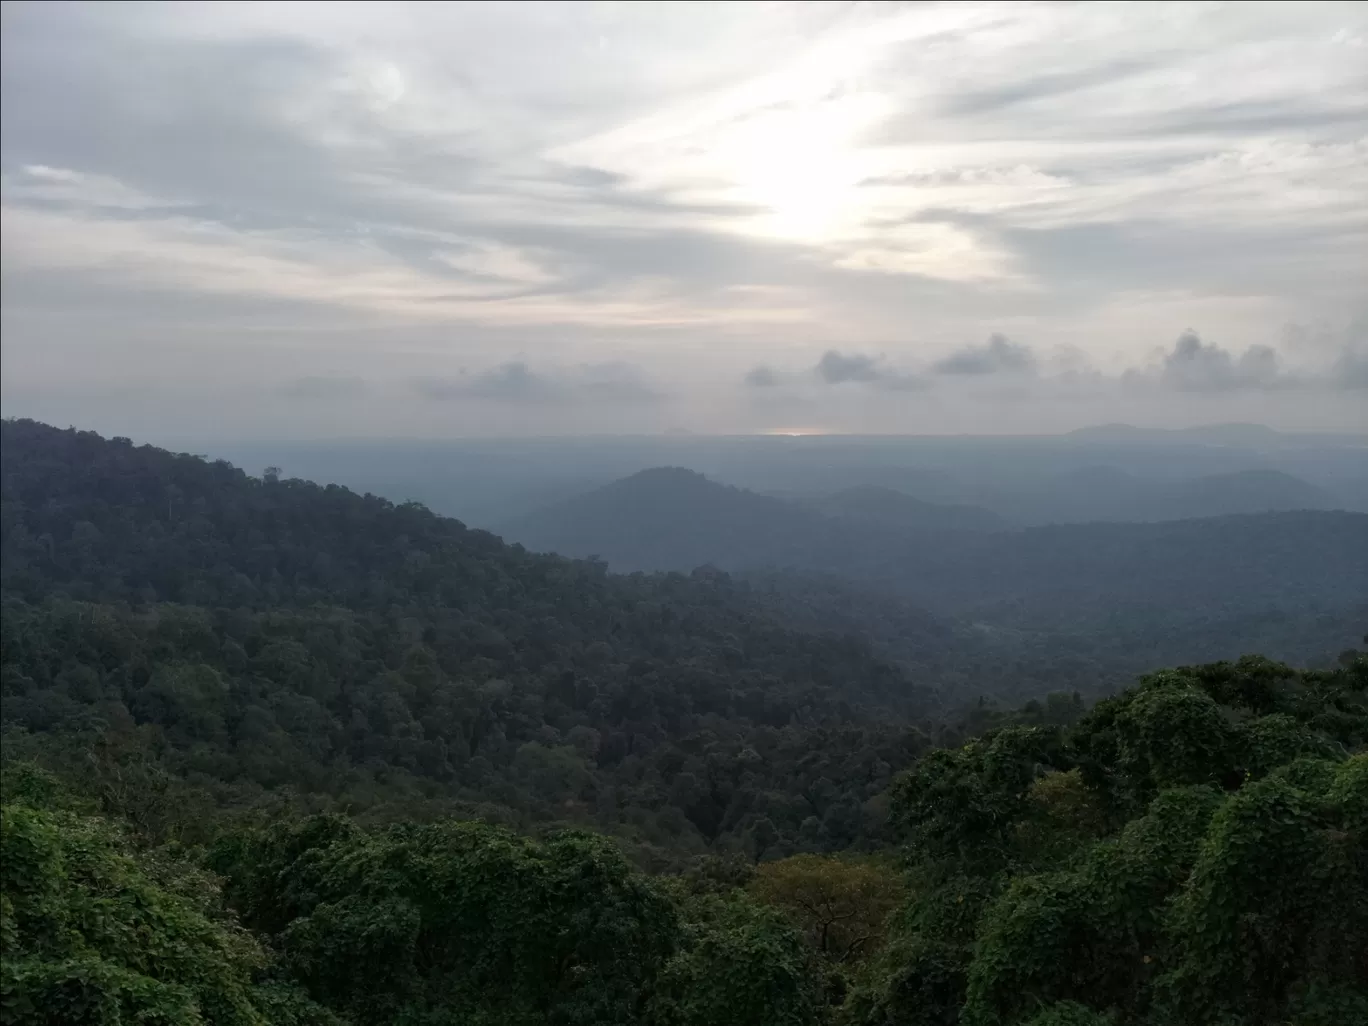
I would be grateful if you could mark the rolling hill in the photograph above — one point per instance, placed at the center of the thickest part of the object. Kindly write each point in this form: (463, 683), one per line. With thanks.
(1297, 561)
(891, 508)
(1245, 491)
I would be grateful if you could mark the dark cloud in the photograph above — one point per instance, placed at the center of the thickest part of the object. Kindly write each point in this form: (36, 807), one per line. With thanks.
(836, 368)
(516, 382)
(761, 377)
(1197, 366)
(998, 355)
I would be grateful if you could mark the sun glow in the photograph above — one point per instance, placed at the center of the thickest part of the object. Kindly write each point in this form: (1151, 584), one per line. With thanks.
(802, 166)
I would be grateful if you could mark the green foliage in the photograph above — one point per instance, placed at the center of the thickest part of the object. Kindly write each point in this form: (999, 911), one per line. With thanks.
(1069, 1013)
(94, 931)
(966, 803)
(1090, 932)
(1205, 862)
(740, 965)
(1277, 899)
(456, 922)
(840, 904)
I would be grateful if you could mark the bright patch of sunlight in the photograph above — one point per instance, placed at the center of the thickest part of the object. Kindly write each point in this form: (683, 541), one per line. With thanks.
(802, 165)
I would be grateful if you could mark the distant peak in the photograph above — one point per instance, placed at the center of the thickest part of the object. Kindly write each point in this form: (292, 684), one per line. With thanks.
(664, 474)
(1215, 434)
(1107, 429)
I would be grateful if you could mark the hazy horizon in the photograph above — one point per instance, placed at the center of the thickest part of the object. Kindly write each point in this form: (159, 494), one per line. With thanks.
(775, 433)
(433, 221)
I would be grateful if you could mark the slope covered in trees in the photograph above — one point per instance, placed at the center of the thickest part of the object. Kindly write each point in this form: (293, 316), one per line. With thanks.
(1179, 591)
(165, 616)
(891, 508)
(670, 518)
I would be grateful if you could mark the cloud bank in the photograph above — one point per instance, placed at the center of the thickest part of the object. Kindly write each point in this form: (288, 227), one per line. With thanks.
(997, 356)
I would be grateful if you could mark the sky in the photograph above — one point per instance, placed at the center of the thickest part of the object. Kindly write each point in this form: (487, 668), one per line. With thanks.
(426, 220)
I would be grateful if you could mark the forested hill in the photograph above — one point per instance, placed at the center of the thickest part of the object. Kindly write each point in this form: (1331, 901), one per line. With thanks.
(870, 504)
(671, 518)
(1061, 575)
(270, 637)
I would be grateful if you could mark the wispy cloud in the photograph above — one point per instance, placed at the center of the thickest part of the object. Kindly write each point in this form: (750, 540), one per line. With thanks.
(323, 386)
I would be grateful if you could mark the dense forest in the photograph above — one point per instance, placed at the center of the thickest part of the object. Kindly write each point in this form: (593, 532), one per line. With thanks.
(279, 753)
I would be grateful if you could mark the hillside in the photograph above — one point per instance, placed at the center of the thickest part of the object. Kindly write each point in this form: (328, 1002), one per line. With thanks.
(670, 518)
(272, 637)
(890, 508)
(1252, 435)
(1057, 576)
(1246, 491)
(1259, 437)
(1107, 493)
(1009, 655)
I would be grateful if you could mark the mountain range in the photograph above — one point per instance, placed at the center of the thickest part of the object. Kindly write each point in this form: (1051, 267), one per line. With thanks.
(1299, 560)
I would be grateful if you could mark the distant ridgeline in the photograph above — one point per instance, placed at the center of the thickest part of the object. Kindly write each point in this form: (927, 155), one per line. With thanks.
(1110, 599)
(278, 753)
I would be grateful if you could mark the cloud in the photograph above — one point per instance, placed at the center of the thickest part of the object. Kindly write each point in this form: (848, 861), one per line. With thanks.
(1196, 366)
(761, 377)
(614, 382)
(997, 356)
(510, 382)
(1351, 369)
(1030, 89)
(837, 368)
(322, 386)
(516, 382)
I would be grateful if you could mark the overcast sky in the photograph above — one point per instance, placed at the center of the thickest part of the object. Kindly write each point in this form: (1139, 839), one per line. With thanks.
(307, 220)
